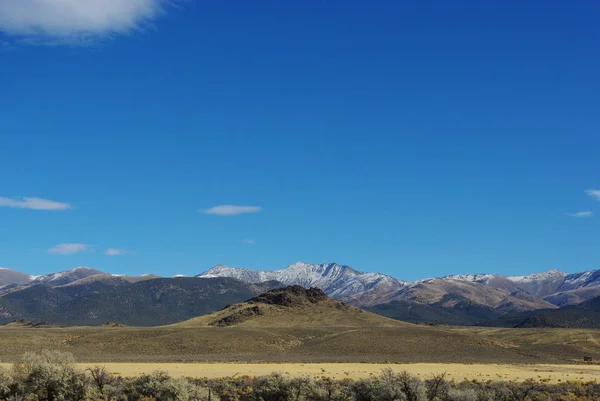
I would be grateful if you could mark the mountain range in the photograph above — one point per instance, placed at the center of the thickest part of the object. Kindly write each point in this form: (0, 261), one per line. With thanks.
(88, 296)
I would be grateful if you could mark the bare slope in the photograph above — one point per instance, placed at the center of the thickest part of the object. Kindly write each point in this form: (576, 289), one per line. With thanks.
(502, 298)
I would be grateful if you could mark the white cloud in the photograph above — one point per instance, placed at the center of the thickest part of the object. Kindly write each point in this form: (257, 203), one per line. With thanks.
(33, 203)
(249, 242)
(69, 249)
(75, 20)
(594, 193)
(116, 252)
(587, 213)
(232, 210)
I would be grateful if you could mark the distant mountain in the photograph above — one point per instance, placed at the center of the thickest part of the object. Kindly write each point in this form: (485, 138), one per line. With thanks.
(585, 315)
(337, 281)
(456, 299)
(463, 312)
(115, 299)
(12, 277)
(68, 276)
(553, 286)
(540, 284)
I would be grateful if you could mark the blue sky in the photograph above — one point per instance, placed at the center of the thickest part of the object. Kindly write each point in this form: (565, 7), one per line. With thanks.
(412, 138)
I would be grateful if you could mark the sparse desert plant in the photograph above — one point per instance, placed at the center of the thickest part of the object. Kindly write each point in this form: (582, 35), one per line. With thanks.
(329, 390)
(277, 387)
(436, 387)
(6, 383)
(100, 378)
(162, 387)
(393, 386)
(364, 390)
(468, 394)
(51, 376)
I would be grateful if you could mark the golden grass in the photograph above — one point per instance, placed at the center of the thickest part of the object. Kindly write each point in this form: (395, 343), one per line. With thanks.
(404, 343)
(458, 372)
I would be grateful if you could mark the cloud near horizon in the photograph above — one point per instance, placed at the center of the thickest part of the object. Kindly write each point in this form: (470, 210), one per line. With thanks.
(33, 203)
(69, 249)
(115, 252)
(594, 193)
(75, 20)
(586, 213)
(231, 210)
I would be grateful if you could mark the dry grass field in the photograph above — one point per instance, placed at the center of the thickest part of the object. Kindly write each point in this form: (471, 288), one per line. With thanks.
(454, 371)
(457, 372)
(402, 344)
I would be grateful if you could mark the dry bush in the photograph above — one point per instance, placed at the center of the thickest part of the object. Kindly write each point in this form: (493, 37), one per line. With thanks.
(468, 394)
(161, 387)
(329, 390)
(51, 376)
(100, 378)
(436, 387)
(6, 383)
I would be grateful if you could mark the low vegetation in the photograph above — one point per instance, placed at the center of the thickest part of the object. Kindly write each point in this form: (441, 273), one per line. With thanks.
(53, 376)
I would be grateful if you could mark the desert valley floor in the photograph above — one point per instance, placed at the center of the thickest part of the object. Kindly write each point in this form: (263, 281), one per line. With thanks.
(404, 343)
(305, 327)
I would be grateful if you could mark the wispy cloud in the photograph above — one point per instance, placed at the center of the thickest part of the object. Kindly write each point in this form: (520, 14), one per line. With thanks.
(586, 213)
(75, 21)
(594, 193)
(33, 203)
(231, 210)
(249, 242)
(116, 252)
(69, 249)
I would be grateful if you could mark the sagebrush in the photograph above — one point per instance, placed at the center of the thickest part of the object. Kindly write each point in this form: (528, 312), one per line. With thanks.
(52, 376)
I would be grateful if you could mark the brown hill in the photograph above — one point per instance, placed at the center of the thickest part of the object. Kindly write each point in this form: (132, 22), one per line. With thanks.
(500, 296)
(292, 306)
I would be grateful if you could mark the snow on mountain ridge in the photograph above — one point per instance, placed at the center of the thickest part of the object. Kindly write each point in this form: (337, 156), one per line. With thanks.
(550, 274)
(583, 279)
(67, 276)
(336, 280)
(473, 278)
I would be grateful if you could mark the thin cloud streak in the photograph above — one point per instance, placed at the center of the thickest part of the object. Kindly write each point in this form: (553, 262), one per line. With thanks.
(231, 210)
(586, 213)
(594, 193)
(249, 242)
(69, 249)
(75, 21)
(116, 252)
(33, 203)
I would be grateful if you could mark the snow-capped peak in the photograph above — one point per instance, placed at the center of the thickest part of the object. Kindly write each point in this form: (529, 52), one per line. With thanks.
(336, 280)
(583, 279)
(547, 275)
(473, 278)
(67, 276)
